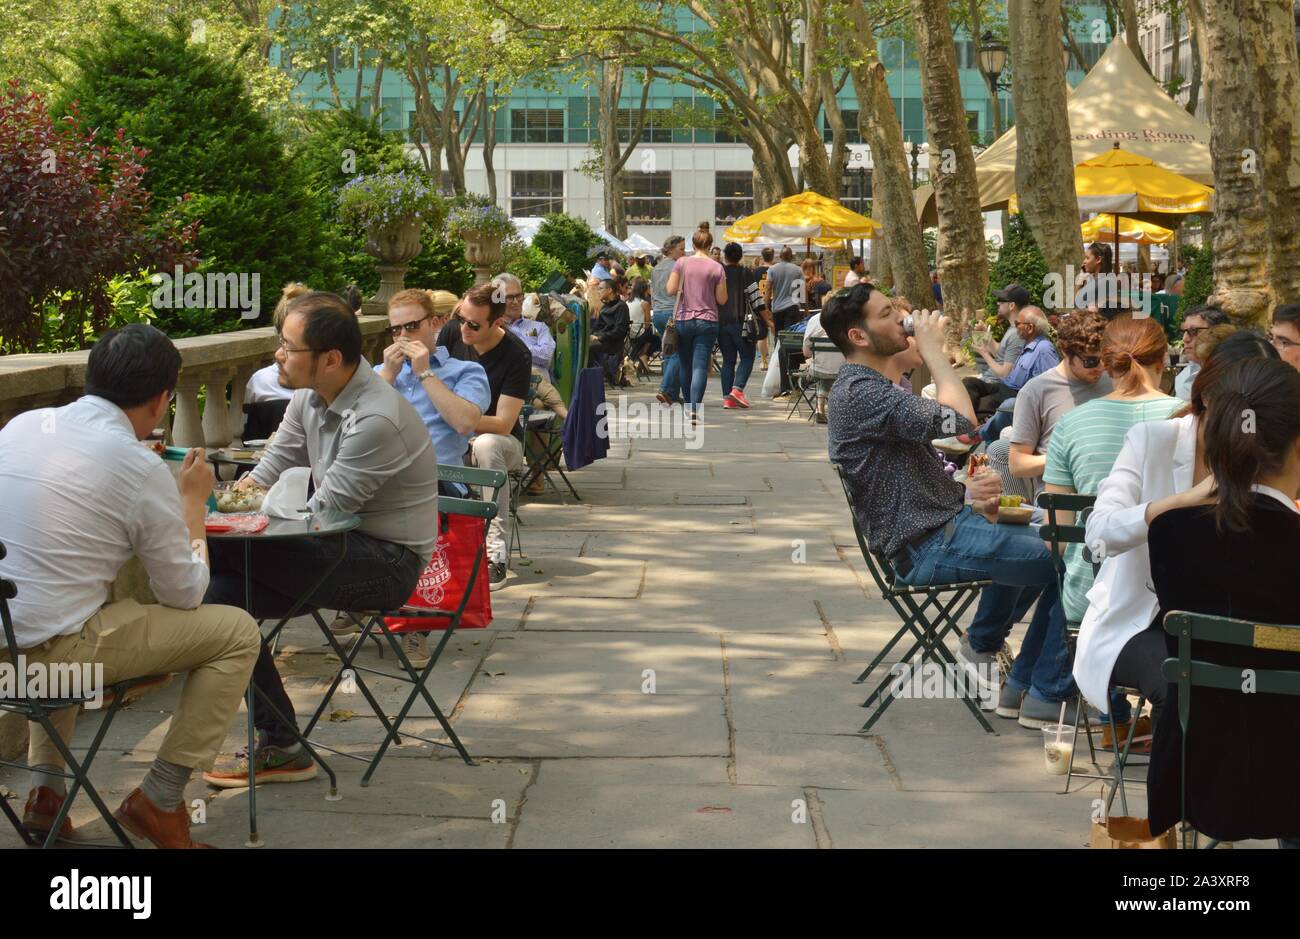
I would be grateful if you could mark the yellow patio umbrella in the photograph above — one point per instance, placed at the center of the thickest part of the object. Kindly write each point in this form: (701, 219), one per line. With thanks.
(809, 217)
(1131, 231)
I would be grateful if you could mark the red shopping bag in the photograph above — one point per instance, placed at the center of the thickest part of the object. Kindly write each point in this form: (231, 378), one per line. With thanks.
(442, 583)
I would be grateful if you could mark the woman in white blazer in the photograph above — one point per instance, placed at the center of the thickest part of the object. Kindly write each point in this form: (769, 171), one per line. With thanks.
(1160, 467)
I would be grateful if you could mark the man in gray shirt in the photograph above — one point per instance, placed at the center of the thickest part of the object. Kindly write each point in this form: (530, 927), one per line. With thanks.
(1001, 357)
(785, 298)
(371, 456)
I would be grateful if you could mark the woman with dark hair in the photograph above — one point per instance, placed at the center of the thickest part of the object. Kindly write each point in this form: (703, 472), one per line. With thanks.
(701, 288)
(1092, 293)
(608, 330)
(646, 342)
(1233, 549)
(741, 292)
(1160, 465)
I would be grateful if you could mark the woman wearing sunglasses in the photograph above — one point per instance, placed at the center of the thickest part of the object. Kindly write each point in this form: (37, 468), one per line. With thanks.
(1161, 466)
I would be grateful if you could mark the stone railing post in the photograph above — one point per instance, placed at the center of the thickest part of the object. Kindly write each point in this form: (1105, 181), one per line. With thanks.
(217, 431)
(187, 426)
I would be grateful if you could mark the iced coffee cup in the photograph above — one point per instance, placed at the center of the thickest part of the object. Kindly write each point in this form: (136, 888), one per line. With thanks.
(1058, 745)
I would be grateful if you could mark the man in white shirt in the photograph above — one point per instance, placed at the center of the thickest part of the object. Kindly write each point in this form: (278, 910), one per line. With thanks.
(1196, 321)
(82, 495)
(822, 366)
(857, 271)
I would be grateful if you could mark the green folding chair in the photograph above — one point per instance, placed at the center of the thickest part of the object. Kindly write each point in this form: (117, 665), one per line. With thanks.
(519, 479)
(1188, 673)
(484, 509)
(950, 603)
(791, 343)
(1059, 537)
(38, 711)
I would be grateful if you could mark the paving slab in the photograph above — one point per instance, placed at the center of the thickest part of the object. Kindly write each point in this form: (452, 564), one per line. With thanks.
(638, 816)
(647, 725)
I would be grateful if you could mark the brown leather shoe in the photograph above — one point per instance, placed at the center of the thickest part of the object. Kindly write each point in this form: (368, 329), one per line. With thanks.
(143, 819)
(43, 803)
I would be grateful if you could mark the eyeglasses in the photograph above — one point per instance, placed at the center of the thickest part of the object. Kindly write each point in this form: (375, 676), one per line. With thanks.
(472, 327)
(513, 297)
(1191, 332)
(284, 347)
(410, 327)
(1089, 361)
(1281, 343)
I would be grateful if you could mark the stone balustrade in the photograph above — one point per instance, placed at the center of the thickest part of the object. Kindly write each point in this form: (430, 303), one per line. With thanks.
(214, 368)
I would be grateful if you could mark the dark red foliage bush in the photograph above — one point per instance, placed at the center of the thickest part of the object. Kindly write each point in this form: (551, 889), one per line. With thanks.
(73, 214)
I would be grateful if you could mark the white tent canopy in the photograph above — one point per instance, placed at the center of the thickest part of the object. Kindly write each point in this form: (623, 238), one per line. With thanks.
(1117, 102)
(639, 242)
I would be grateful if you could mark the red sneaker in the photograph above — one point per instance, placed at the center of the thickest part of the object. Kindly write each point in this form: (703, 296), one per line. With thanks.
(739, 397)
(729, 404)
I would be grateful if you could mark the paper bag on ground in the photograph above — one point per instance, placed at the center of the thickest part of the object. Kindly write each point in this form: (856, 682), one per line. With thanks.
(1126, 832)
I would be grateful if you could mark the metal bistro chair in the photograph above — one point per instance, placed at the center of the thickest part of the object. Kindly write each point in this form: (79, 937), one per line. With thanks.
(807, 379)
(38, 711)
(791, 343)
(927, 630)
(519, 478)
(1059, 536)
(1188, 673)
(484, 509)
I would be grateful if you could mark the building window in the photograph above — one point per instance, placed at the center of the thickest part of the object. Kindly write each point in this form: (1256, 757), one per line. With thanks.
(647, 198)
(851, 133)
(733, 195)
(536, 192)
(656, 130)
(537, 125)
(855, 186)
(973, 121)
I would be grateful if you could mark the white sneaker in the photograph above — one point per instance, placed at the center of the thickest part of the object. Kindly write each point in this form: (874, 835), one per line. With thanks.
(951, 445)
(416, 647)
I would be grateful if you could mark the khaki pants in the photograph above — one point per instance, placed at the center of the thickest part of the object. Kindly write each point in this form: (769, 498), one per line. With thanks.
(499, 452)
(217, 645)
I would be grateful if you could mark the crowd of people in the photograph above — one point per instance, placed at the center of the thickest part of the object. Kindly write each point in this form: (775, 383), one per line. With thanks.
(1197, 508)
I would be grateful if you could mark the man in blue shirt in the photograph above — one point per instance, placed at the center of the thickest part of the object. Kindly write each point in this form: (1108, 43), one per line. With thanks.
(449, 394)
(1039, 355)
(601, 268)
(535, 334)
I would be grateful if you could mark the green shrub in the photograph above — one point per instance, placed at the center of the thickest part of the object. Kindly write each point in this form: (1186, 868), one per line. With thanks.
(193, 113)
(532, 266)
(1019, 262)
(569, 239)
(1199, 282)
(440, 265)
(338, 145)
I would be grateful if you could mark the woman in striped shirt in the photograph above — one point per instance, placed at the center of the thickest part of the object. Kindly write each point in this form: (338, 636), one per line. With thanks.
(1086, 442)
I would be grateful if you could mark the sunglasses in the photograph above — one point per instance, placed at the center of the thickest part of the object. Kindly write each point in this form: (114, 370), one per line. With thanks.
(1089, 361)
(472, 327)
(410, 328)
(1194, 331)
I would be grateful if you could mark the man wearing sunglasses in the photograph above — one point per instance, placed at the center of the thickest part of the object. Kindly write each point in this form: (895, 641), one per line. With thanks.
(449, 394)
(476, 334)
(1195, 322)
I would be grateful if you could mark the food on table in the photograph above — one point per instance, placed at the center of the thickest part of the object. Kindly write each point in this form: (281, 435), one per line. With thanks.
(240, 500)
(1010, 502)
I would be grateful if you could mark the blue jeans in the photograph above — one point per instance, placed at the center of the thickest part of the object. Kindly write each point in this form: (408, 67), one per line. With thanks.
(993, 427)
(1020, 566)
(695, 339)
(732, 345)
(671, 383)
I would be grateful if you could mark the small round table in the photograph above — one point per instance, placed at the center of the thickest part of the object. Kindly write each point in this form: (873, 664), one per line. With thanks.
(242, 464)
(322, 524)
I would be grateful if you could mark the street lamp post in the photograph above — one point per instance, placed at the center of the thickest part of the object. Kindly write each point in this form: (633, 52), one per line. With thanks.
(993, 60)
(915, 153)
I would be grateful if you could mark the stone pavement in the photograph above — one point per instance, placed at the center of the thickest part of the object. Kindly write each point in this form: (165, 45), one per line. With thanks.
(725, 580)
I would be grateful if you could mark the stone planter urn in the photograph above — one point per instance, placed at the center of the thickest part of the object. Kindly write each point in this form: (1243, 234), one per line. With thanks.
(392, 247)
(483, 251)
